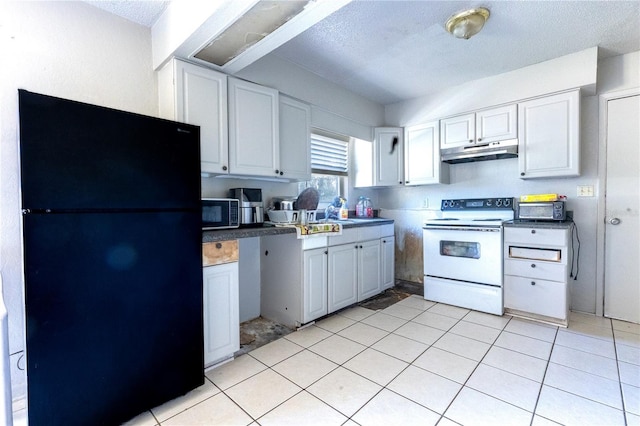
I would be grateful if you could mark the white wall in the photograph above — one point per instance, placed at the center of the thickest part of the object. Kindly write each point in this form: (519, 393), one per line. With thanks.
(70, 50)
(500, 177)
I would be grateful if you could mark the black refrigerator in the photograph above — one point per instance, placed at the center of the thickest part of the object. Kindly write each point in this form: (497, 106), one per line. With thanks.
(112, 261)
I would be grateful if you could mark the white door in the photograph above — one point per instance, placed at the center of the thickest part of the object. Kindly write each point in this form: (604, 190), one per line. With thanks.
(389, 157)
(369, 282)
(315, 284)
(343, 276)
(622, 229)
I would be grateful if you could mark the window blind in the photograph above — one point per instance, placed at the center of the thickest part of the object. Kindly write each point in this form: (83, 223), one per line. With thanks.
(329, 156)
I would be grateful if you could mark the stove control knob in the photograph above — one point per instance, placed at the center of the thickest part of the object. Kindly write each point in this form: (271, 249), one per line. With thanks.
(507, 202)
(499, 202)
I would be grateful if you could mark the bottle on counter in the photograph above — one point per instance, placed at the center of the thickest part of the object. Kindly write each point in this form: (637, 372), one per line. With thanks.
(360, 210)
(368, 208)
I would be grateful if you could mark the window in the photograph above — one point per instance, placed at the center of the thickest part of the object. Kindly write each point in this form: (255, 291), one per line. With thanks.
(329, 167)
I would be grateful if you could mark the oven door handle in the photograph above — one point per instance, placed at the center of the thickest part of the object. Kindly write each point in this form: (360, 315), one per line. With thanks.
(462, 228)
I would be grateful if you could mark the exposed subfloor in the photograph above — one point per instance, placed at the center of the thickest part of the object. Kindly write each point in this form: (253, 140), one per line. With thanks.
(260, 331)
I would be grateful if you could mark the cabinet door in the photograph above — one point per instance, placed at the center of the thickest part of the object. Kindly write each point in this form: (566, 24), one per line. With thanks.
(549, 136)
(200, 98)
(422, 163)
(369, 281)
(253, 129)
(343, 276)
(497, 124)
(458, 131)
(315, 284)
(536, 296)
(387, 245)
(221, 312)
(388, 156)
(295, 139)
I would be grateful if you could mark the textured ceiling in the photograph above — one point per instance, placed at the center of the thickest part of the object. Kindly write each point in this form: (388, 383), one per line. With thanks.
(143, 12)
(389, 51)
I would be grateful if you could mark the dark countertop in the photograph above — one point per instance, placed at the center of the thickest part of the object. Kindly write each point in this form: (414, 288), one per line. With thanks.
(233, 234)
(540, 224)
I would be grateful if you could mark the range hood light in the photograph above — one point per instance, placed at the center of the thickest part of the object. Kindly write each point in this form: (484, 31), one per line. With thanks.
(258, 22)
(468, 23)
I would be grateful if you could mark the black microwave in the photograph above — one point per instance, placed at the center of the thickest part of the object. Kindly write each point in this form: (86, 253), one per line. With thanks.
(220, 213)
(543, 210)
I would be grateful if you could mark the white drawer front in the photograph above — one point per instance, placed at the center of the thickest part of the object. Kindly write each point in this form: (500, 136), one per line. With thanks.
(387, 230)
(536, 236)
(536, 269)
(369, 233)
(348, 236)
(536, 296)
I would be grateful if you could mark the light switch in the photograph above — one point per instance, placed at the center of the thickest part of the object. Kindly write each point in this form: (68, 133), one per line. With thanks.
(585, 190)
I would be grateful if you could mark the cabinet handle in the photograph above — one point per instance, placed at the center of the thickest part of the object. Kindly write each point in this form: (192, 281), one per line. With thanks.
(470, 140)
(521, 173)
(277, 172)
(218, 246)
(360, 246)
(533, 283)
(533, 265)
(533, 231)
(326, 252)
(281, 172)
(479, 139)
(266, 252)
(224, 168)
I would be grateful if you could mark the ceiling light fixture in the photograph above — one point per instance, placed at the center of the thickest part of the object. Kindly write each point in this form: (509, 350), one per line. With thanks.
(468, 23)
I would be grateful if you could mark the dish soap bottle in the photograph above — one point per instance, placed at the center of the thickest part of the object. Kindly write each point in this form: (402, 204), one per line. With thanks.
(344, 211)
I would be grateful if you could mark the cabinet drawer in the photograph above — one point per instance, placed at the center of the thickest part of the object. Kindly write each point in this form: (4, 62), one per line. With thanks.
(369, 233)
(536, 236)
(348, 236)
(387, 230)
(219, 252)
(536, 296)
(535, 269)
(534, 253)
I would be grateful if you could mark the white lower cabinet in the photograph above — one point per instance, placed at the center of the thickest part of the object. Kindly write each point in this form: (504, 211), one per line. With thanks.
(536, 273)
(293, 279)
(314, 286)
(369, 282)
(387, 265)
(303, 280)
(221, 312)
(343, 276)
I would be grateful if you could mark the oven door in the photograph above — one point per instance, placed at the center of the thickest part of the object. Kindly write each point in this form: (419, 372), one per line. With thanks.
(470, 254)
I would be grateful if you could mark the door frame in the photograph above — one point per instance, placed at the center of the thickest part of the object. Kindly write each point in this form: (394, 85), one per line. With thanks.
(602, 184)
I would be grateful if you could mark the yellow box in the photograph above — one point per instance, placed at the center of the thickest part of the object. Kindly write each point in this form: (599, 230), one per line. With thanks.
(538, 197)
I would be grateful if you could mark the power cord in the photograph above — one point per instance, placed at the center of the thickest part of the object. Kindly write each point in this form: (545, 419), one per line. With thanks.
(574, 231)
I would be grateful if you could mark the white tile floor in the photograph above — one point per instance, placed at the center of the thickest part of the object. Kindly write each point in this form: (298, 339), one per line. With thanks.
(423, 363)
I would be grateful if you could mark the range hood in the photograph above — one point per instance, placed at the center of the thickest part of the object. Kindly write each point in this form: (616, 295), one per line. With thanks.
(480, 152)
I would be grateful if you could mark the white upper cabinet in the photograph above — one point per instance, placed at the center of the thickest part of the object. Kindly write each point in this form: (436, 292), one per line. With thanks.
(422, 163)
(388, 156)
(253, 129)
(549, 136)
(295, 139)
(196, 95)
(458, 131)
(486, 126)
(497, 124)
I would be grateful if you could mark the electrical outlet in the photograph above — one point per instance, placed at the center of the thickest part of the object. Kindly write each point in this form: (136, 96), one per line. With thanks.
(425, 203)
(585, 190)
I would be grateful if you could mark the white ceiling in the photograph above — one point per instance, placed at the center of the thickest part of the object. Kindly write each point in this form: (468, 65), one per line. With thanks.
(389, 51)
